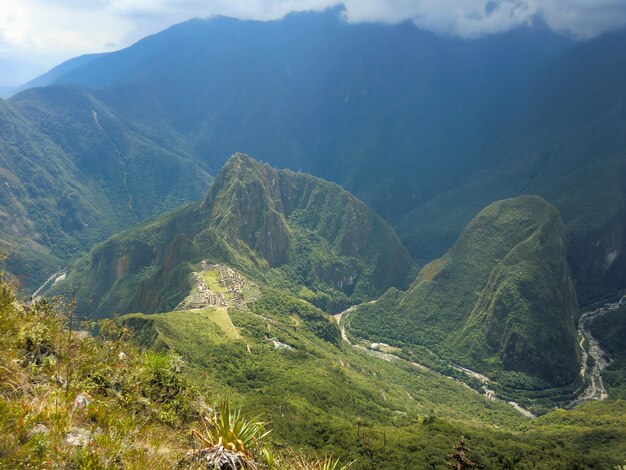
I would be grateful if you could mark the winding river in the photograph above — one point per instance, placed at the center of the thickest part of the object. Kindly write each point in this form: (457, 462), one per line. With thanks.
(591, 348)
(592, 375)
(390, 357)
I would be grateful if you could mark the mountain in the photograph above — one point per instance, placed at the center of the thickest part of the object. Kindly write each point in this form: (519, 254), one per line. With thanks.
(500, 300)
(393, 113)
(571, 150)
(230, 295)
(286, 229)
(72, 173)
(426, 130)
(7, 91)
(17, 71)
(58, 71)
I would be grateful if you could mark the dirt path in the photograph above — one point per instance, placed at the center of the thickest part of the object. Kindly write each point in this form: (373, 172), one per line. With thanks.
(52, 280)
(341, 318)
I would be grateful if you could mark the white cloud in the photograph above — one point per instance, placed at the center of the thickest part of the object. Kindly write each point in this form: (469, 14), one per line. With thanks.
(47, 32)
(584, 18)
(474, 18)
(465, 18)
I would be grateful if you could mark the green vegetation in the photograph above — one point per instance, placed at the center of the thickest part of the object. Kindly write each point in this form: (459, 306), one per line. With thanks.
(68, 400)
(500, 301)
(230, 440)
(72, 173)
(71, 400)
(77, 164)
(283, 229)
(339, 399)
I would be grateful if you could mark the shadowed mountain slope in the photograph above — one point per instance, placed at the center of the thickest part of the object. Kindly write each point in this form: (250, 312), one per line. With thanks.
(571, 150)
(393, 113)
(72, 173)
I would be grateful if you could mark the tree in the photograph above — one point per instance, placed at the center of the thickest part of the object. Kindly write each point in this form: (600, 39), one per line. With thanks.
(459, 459)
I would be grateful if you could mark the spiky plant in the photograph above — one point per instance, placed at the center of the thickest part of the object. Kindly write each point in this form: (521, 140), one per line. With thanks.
(230, 440)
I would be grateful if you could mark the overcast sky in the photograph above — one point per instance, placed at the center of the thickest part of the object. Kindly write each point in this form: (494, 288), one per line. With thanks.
(37, 34)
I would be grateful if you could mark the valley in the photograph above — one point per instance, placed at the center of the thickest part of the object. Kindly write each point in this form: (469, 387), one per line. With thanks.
(591, 370)
(393, 247)
(244, 275)
(386, 353)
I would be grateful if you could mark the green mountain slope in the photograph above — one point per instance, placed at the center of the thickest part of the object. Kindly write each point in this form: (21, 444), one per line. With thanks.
(500, 301)
(287, 229)
(571, 151)
(77, 401)
(281, 356)
(72, 173)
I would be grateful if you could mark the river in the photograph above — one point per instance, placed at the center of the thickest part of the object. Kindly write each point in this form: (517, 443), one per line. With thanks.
(595, 389)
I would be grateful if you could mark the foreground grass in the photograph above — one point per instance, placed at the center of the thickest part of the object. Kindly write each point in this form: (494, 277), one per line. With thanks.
(73, 401)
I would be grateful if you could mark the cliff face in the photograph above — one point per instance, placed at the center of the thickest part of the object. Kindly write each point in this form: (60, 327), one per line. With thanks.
(500, 300)
(258, 204)
(286, 229)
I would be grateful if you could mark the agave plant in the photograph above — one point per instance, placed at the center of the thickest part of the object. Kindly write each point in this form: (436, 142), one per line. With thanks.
(229, 441)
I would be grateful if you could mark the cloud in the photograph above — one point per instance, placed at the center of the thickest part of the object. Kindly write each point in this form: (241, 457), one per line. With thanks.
(475, 18)
(48, 32)
(584, 18)
(466, 18)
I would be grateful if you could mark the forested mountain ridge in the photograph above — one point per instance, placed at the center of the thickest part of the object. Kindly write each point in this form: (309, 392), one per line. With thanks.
(289, 230)
(501, 299)
(427, 136)
(570, 149)
(312, 92)
(74, 173)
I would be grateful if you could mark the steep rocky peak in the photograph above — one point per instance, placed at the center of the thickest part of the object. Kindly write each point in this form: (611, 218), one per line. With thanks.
(238, 170)
(242, 202)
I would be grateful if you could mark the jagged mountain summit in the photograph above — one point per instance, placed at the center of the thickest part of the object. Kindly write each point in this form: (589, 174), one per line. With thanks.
(288, 229)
